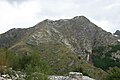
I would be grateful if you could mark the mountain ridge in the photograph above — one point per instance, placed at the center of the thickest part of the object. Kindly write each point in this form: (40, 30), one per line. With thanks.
(78, 34)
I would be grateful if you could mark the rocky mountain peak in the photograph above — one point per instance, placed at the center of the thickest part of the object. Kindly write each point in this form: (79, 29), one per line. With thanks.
(117, 33)
(80, 18)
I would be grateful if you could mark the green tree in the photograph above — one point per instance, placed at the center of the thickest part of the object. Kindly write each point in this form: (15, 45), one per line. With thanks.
(3, 60)
(38, 67)
(113, 74)
(13, 60)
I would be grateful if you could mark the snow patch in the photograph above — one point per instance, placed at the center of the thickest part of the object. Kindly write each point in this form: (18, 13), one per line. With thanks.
(116, 35)
(119, 40)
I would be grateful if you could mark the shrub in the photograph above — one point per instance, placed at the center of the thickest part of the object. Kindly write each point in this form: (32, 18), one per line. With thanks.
(113, 74)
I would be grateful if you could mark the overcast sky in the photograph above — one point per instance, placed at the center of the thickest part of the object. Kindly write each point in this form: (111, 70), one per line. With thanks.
(27, 13)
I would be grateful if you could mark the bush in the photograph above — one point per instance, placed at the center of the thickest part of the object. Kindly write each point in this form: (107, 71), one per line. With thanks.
(113, 74)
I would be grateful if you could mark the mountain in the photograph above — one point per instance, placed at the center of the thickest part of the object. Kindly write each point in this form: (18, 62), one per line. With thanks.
(117, 34)
(65, 44)
(78, 34)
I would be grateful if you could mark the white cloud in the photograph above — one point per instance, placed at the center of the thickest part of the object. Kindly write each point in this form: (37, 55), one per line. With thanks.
(23, 15)
(104, 24)
(26, 13)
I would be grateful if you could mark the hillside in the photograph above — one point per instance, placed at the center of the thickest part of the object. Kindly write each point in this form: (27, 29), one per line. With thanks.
(64, 45)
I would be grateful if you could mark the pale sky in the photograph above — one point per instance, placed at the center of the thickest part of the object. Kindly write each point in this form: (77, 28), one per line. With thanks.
(27, 13)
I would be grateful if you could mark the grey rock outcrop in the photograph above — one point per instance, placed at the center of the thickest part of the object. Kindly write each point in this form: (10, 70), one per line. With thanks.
(12, 75)
(116, 55)
(72, 76)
